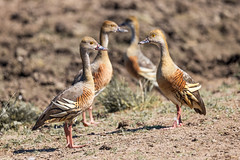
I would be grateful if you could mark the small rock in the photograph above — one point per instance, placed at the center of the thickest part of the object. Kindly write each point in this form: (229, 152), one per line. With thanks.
(139, 124)
(92, 133)
(31, 158)
(20, 52)
(122, 125)
(150, 145)
(225, 133)
(15, 16)
(232, 2)
(105, 147)
(60, 27)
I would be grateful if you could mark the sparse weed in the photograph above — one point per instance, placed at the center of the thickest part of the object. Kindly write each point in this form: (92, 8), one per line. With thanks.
(55, 131)
(15, 113)
(15, 142)
(89, 152)
(25, 131)
(6, 146)
(167, 107)
(114, 150)
(39, 139)
(221, 103)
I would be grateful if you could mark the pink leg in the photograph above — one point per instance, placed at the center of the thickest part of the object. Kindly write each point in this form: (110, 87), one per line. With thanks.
(179, 110)
(66, 133)
(84, 120)
(142, 89)
(91, 117)
(69, 134)
(178, 122)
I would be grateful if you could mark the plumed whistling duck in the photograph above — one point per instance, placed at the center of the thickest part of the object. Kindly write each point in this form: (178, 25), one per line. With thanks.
(173, 82)
(101, 67)
(71, 102)
(136, 63)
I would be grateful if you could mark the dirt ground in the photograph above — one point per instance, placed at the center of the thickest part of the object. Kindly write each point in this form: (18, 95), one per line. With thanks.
(214, 136)
(39, 56)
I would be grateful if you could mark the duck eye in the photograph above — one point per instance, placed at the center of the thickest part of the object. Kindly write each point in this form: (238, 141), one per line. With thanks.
(91, 43)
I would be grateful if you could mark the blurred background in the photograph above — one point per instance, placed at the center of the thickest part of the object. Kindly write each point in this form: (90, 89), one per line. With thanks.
(39, 41)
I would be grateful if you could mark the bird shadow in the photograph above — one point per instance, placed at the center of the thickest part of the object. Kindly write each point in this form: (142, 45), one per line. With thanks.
(138, 129)
(133, 130)
(20, 151)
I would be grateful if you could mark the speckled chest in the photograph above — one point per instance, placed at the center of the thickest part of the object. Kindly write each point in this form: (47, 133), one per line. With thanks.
(102, 76)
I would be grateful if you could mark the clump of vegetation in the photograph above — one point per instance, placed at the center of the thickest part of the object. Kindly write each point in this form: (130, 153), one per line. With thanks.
(15, 112)
(118, 96)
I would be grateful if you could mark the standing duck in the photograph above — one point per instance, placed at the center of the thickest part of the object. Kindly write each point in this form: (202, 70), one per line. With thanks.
(67, 105)
(101, 67)
(138, 65)
(173, 82)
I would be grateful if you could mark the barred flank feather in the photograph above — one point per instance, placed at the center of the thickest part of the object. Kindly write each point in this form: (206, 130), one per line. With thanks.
(186, 91)
(177, 80)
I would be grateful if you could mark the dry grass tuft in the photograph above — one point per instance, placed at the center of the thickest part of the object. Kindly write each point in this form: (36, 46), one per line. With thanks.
(118, 96)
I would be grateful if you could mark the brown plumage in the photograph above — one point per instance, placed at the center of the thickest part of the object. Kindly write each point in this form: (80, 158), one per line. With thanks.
(173, 82)
(138, 65)
(68, 104)
(101, 67)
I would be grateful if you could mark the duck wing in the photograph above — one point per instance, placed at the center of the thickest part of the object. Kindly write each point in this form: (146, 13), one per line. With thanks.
(186, 91)
(67, 105)
(146, 68)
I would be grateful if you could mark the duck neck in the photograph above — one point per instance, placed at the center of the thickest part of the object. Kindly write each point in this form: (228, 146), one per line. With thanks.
(165, 56)
(135, 34)
(87, 73)
(103, 38)
(104, 43)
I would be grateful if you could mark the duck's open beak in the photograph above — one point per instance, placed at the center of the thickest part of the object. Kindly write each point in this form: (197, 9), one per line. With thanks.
(144, 41)
(119, 29)
(99, 47)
